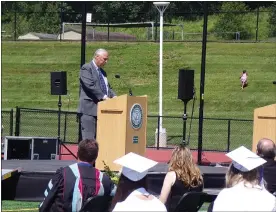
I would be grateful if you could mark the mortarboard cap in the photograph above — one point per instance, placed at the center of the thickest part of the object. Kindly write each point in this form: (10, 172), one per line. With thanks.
(135, 167)
(245, 160)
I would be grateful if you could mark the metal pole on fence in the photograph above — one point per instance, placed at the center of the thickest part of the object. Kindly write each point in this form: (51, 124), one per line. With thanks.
(158, 132)
(228, 135)
(17, 121)
(83, 33)
(11, 122)
(257, 25)
(65, 127)
(61, 21)
(79, 128)
(83, 41)
(108, 33)
(202, 81)
(108, 20)
(15, 25)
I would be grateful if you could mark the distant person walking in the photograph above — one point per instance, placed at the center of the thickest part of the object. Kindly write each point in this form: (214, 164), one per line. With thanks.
(243, 79)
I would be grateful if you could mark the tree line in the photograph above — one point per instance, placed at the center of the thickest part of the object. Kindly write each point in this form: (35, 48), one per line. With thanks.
(45, 16)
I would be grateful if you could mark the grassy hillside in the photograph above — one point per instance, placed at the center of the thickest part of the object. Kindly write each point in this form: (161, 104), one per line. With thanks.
(26, 68)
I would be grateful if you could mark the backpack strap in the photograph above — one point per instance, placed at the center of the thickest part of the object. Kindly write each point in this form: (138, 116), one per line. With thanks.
(77, 193)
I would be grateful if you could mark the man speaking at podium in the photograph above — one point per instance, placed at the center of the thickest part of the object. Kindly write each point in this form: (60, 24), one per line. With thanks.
(94, 87)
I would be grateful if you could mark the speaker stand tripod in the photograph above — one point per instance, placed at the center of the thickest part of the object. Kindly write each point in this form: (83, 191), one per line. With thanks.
(184, 122)
(60, 143)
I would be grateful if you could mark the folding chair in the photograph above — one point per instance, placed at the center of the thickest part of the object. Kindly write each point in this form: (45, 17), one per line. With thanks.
(97, 204)
(191, 202)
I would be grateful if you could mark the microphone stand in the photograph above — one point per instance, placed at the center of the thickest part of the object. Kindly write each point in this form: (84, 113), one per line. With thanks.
(129, 89)
(130, 92)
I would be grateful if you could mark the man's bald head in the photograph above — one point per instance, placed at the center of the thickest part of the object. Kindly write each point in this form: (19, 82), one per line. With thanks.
(266, 148)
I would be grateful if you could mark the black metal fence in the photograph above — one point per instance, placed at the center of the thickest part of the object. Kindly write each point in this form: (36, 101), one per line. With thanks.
(218, 134)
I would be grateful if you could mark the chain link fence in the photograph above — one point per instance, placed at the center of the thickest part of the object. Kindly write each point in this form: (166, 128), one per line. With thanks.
(59, 25)
(218, 134)
(44, 123)
(7, 123)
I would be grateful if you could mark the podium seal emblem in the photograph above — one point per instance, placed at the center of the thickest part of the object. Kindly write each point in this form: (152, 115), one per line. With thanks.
(136, 116)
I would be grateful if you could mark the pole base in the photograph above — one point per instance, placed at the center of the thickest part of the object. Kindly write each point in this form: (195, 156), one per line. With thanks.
(162, 137)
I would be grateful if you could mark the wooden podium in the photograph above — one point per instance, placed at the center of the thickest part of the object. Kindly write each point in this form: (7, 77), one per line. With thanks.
(264, 124)
(121, 128)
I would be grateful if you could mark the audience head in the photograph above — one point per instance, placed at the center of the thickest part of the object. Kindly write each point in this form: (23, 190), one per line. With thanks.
(244, 167)
(266, 148)
(185, 168)
(88, 150)
(133, 175)
(244, 71)
(100, 57)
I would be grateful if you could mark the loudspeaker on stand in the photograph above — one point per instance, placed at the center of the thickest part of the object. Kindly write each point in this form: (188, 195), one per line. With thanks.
(59, 83)
(185, 84)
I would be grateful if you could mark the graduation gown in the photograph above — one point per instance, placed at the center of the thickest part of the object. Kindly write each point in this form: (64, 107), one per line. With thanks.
(59, 192)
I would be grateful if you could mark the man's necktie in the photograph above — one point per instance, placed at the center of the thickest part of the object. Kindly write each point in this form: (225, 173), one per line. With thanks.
(102, 82)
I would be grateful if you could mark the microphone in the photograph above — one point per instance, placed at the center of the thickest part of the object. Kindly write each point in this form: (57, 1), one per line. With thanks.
(129, 89)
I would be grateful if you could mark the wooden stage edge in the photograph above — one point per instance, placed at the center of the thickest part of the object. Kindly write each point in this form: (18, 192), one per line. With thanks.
(162, 155)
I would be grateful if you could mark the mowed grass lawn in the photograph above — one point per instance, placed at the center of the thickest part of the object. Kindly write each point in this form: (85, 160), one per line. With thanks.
(26, 68)
(16, 206)
(10, 205)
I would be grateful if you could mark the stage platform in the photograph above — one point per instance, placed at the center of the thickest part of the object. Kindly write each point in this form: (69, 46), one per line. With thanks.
(162, 155)
(31, 182)
(7, 173)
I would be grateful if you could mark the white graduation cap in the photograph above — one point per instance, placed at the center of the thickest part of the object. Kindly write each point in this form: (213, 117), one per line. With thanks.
(244, 159)
(135, 167)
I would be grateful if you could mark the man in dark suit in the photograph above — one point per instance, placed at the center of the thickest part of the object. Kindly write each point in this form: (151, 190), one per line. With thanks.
(94, 87)
(267, 150)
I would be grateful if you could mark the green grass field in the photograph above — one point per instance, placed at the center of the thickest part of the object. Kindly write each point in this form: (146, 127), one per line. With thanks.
(26, 68)
(16, 206)
(10, 206)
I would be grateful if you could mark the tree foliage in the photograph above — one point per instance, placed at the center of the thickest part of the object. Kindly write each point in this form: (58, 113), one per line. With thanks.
(46, 16)
(235, 20)
(272, 21)
(33, 16)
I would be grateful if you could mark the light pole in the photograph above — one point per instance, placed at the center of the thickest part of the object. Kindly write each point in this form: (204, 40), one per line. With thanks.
(161, 7)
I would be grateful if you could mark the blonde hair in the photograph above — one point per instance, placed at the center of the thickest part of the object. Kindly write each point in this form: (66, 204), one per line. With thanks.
(183, 165)
(234, 176)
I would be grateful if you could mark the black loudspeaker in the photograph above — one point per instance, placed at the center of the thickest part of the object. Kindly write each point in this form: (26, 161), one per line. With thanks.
(59, 83)
(185, 84)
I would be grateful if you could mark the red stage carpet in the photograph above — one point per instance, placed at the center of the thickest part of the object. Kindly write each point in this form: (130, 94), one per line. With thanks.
(162, 155)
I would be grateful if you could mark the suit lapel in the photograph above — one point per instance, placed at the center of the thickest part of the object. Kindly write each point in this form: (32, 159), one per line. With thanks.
(94, 70)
